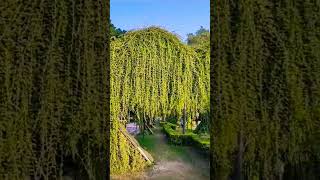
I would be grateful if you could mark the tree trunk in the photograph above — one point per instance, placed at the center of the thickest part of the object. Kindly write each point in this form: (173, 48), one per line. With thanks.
(238, 168)
(184, 119)
(144, 123)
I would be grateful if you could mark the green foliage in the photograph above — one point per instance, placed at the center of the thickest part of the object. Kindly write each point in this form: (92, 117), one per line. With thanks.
(265, 74)
(123, 158)
(189, 138)
(53, 84)
(147, 141)
(200, 42)
(172, 120)
(203, 127)
(200, 38)
(153, 75)
(116, 32)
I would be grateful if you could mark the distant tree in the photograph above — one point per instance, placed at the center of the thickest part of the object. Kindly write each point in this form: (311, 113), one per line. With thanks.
(116, 32)
(200, 37)
(200, 42)
(202, 30)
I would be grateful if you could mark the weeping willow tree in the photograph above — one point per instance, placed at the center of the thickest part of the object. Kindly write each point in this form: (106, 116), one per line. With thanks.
(153, 75)
(200, 43)
(53, 84)
(265, 98)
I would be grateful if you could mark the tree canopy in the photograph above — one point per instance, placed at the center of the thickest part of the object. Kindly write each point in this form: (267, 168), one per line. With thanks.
(153, 74)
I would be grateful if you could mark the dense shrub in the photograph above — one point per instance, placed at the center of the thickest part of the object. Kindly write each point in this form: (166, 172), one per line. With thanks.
(189, 138)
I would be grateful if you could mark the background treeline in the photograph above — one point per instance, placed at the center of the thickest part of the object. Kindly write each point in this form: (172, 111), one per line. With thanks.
(116, 32)
(266, 89)
(53, 88)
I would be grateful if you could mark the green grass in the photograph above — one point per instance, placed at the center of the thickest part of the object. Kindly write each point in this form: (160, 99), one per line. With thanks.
(159, 146)
(178, 152)
(148, 142)
(160, 149)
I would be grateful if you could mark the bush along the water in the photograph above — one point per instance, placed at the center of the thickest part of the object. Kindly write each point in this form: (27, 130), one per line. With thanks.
(153, 74)
(189, 138)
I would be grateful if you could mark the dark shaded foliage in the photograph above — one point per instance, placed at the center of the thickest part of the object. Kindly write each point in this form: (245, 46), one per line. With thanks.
(265, 89)
(189, 138)
(53, 88)
(116, 32)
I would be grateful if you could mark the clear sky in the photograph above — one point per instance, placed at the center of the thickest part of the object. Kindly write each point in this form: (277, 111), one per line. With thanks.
(178, 16)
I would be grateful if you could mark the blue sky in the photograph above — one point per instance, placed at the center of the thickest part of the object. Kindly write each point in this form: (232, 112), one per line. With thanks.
(178, 16)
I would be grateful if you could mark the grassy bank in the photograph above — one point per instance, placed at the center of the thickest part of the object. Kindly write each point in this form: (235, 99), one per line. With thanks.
(162, 150)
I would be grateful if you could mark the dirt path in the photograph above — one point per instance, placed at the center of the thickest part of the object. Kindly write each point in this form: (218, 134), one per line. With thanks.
(171, 162)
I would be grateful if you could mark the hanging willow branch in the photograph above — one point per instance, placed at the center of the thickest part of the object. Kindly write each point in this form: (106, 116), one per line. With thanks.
(53, 84)
(265, 98)
(154, 75)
